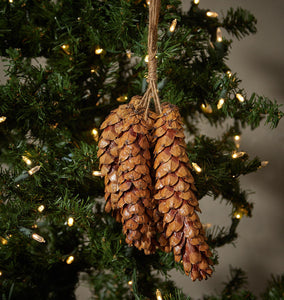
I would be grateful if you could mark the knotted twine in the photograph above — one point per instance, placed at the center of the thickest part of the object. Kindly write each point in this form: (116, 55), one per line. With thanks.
(151, 92)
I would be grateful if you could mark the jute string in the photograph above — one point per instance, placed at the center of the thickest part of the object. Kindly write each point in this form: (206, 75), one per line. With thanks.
(151, 92)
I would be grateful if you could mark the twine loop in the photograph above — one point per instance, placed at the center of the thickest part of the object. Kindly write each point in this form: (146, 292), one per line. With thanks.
(152, 92)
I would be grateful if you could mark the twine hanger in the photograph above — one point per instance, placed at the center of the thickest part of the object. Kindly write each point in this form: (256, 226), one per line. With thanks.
(151, 92)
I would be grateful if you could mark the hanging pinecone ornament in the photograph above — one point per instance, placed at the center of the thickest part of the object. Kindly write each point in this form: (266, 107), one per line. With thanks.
(134, 180)
(175, 194)
(108, 156)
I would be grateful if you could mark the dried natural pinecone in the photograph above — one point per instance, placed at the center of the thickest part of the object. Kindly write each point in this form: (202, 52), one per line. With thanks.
(108, 156)
(135, 183)
(175, 194)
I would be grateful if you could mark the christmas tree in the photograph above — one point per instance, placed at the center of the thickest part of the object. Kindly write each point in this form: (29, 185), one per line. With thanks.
(69, 64)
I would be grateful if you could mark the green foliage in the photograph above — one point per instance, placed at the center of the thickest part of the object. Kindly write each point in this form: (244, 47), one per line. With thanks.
(275, 288)
(239, 22)
(58, 89)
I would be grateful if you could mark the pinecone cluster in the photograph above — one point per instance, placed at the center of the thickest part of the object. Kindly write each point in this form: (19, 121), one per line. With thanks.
(149, 187)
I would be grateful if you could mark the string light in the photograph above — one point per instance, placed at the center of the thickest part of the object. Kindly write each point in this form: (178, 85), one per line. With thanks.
(34, 170)
(212, 14)
(196, 167)
(219, 35)
(70, 259)
(238, 154)
(70, 221)
(146, 59)
(1, 273)
(2, 119)
(220, 103)
(229, 73)
(41, 208)
(3, 241)
(240, 97)
(38, 238)
(95, 133)
(26, 160)
(264, 163)
(94, 70)
(122, 98)
(99, 50)
(237, 137)
(159, 295)
(148, 2)
(240, 212)
(130, 282)
(65, 48)
(97, 173)
(11, 1)
(173, 25)
(206, 108)
(196, 2)
(128, 53)
(238, 215)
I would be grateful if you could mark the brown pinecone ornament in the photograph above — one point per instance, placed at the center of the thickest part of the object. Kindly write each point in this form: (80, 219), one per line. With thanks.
(108, 156)
(175, 194)
(134, 180)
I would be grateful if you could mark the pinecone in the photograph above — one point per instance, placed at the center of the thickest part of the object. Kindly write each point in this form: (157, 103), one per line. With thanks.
(108, 156)
(135, 183)
(175, 194)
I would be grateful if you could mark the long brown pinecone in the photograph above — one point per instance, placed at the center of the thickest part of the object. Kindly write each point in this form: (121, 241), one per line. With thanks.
(135, 183)
(134, 180)
(175, 194)
(108, 156)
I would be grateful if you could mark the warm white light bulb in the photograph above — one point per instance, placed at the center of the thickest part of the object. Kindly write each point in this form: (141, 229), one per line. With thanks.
(264, 163)
(196, 167)
(26, 160)
(146, 59)
(41, 208)
(95, 132)
(33, 170)
(128, 53)
(159, 295)
(240, 97)
(206, 108)
(3, 241)
(130, 282)
(237, 137)
(196, 2)
(2, 119)
(70, 221)
(122, 98)
(220, 103)
(99, 50)
(229, 73)
(238, 154)
(97, 173)
(70, 259)
(173, 25)
(212, 14)
(38, 238)
(219, 37)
